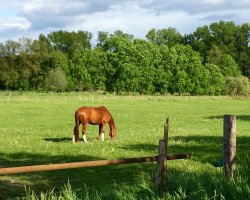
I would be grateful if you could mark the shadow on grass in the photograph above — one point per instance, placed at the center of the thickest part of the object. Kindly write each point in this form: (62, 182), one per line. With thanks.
(67, 140)
(238, 117)
(205, 149)
(139, 147)
(63, 139)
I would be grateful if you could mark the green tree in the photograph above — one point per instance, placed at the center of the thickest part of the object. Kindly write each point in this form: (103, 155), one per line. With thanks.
(102, 38)
(121, 34)
(59, 59)
(152, 35)
(243, 49)
(147, 57)
(169, 37)
(132, 64)
(79, 74)
(216, 84)
(27, 69)
(229, 38)
(40, 53)
(9, 75)
(163, 73)
(129, 78)
(225, 62)
(200, 40)
(224, 36)
(96, 67)
(69, 42)
(119, 50)
(187, 74)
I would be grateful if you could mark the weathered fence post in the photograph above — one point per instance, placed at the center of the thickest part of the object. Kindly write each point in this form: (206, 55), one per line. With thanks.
(162, 164)
(229, 142)
(166, 127)
(162, 159)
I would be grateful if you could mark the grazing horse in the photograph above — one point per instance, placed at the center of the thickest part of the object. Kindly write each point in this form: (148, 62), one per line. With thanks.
(96, 116)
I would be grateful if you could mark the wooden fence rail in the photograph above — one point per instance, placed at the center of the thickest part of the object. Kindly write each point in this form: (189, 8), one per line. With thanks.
(50, 167)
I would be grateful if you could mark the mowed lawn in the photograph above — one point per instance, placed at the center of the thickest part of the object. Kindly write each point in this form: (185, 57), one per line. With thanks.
(36, 128)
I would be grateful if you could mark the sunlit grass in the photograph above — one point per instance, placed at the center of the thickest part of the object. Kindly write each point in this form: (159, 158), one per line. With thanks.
(36, 128)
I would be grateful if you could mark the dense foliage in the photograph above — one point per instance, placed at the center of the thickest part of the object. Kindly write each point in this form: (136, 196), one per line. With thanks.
(200, 63)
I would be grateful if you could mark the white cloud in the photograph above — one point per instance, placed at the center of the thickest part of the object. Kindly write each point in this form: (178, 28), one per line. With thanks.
(53, 7)
(31, 17)
(19, 23)
(131, 19)
(214, 2)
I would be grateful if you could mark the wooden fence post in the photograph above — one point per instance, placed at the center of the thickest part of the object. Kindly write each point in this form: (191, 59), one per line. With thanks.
(162, 164)
(166, 127)
(162, 159)
(229, 143)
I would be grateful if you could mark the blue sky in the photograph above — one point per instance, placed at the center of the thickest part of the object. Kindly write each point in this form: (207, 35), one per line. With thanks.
(29, 18)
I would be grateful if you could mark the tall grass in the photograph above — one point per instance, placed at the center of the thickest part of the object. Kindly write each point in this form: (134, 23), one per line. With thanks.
(36, 128)
(179, 186)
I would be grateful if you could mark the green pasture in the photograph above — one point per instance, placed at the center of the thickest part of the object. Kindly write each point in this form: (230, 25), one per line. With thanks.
(36, 128)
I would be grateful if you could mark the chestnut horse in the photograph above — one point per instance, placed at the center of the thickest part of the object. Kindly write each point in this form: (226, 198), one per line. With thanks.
(96, 116)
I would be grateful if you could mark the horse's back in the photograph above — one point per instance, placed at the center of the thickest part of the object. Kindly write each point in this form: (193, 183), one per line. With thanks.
(102, 111)
(94, 115)
(88, 110)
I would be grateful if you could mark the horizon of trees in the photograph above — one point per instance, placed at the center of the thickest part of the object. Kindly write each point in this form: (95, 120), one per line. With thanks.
(200, 63)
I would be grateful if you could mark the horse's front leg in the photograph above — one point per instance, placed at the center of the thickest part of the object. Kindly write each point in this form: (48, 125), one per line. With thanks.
(84, 128)
(101, 131)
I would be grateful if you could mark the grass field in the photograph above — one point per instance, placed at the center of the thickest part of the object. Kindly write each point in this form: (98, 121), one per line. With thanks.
(36, 128)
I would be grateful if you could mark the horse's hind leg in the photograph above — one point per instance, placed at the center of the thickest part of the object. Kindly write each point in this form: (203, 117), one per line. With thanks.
(84, 127)
(101, 133)
(74, 138)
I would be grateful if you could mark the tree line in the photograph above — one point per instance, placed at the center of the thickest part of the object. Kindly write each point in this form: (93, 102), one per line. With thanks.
(204, 62)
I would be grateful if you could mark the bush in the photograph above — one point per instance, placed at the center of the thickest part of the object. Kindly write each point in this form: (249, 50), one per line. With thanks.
(238, 86)
(56, 80)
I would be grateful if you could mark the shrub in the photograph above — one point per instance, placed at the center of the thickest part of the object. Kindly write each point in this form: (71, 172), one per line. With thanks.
(238, 86)
(56, 80)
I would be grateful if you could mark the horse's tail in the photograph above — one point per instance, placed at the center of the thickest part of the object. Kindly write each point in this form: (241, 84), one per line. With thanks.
(76, 129)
